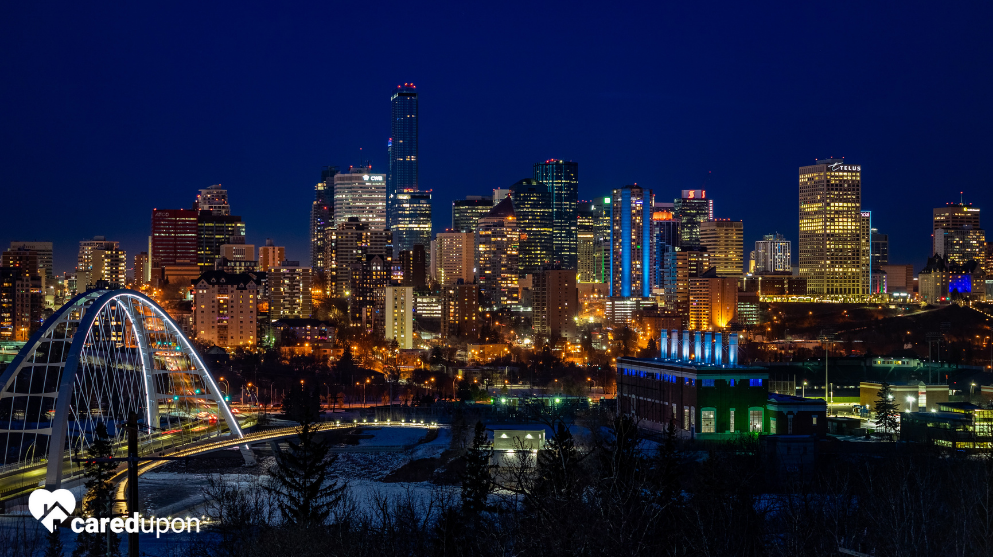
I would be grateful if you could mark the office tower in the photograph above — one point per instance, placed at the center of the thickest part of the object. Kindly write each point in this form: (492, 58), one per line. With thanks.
(880, 249)
(679, 265)
(413, 266)
(958, 234)
(270, 255)
(586, 244)
(402, 147)
(399, 316)
(213, 231)
(349, 243)
(602, 257)
(213, 199)
(367, 297)
(173, 241)
(831, 228)
(631, 242)
(466, 212)
(225, 307)
(772, 255)
(460, 311)
(724, 240)
(455, 257)
(562, 179)
(691, 210)
(533, 207)
(865, 251)
(899, 278)
(499, 194)
(413, 220)
(44, 251)
(664, 237)
(321, 216)
(141, 270)
(713, 301)
(556, 303)
(497, 239)
(360, 194)
(290, 290)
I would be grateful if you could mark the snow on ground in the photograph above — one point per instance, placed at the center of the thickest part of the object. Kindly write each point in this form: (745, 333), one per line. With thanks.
(392, 436)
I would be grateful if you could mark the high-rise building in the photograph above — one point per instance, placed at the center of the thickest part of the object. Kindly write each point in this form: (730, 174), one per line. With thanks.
(367, 292)
(402, 146)
(724, 240)
(586, 243)
(412, 225)
(290, 290)
(460, 311)
(44, 251)
(455, 257)
(692, 209)
(880, 245)
(631, 242)
(602, 255)
(225, 309)
(533, 207)
(497, 239)
(270, 255)
(466, 212)
(678, 267)
(321, 216)
(713, 302)
(413, 265)
(360, 194)
(664, 237)
(21, 294)
(213, 199)
(772, 255)
(831, 228)
(562, 179)
(100, 259)
(399, 316)
(958, 234)
(173, 241)
(141, 270)
(865, 252)
(556, 303)
(499, 194)
(214, 230)
(349, 243)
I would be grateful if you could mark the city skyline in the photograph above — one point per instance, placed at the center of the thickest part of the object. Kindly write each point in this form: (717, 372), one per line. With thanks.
(748, 167)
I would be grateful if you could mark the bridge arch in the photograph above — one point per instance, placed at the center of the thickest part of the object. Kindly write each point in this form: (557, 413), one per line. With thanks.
(102, 355)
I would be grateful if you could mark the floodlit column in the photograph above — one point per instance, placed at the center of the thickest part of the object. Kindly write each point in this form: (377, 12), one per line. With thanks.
(697, 346)
(664, 345)
(686, 345)
(718, 349)
(674, 345)
(733, 349)
(708, 347)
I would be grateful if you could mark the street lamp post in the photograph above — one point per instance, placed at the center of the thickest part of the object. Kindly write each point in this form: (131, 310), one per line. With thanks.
(910, 402)
(803, 390)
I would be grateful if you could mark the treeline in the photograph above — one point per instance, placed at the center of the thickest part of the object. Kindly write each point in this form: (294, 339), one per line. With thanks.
(614, 493)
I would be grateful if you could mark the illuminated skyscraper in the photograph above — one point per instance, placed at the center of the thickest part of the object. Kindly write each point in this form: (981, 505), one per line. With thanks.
(413, 220)
(466, 212)
(831, 245)
(630, 242)
(455, 257)
(562, 179)
(533, 208)
(772, 255)
(360, 194)
(665, 236)
(692, 209)
(586, 252)
(402, 147)
(958, 234)
(724, 240)
(497, 239)
(321, 216)
(350, 243)
(213, 199)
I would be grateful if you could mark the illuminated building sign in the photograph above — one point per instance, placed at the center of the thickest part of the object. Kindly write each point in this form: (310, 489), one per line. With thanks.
(842, 167)
(369, 178)
(694, 194)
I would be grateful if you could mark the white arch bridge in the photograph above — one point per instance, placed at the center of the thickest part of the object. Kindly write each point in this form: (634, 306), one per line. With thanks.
(103, 355)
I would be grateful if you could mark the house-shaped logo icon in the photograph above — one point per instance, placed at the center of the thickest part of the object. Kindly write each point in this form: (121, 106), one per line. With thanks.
(51, 507)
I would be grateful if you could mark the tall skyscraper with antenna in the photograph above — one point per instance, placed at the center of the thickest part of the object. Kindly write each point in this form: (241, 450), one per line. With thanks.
(402, 146)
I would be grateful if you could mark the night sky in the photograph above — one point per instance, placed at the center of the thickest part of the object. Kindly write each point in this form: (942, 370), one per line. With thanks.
(107, 112)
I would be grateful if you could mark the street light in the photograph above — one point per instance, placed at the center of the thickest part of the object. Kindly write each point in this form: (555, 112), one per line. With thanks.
(803, 390)
(910, 402)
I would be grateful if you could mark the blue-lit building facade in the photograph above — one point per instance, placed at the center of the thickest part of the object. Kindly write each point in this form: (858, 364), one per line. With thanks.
(413, 220)
(562, 179)
(630, 242)
(664, 238)
(402, 147)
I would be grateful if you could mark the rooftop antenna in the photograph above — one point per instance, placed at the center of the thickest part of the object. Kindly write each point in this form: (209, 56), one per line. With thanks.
(962, 197)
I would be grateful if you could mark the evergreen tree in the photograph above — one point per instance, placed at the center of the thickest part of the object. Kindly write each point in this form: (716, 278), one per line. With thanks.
(99, 500)
(307, 495)
(53, 545)
(477, 483)
(886, 412)
(557, 472)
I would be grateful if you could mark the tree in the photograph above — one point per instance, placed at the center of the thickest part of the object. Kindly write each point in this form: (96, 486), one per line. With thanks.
(53, 547)
(557, 469)
(99, 499)
(477, 482)
(346, 363)
(886, 412)
(307, 495)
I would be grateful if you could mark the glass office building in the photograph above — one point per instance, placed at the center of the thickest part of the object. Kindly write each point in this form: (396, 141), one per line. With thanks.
(562, 179)
(402, 148)
(533, 208)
